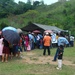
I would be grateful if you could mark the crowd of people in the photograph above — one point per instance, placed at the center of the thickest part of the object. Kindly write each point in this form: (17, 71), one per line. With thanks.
(31, 41)
(27, 42)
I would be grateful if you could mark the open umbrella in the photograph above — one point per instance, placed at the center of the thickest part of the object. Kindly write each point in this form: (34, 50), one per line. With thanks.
(9, 28)
(36, 31)
(11, 36)
(48, 31)
(19, 31)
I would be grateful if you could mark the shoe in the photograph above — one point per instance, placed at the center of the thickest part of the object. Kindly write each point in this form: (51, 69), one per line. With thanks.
(58, 68)
(54, 60)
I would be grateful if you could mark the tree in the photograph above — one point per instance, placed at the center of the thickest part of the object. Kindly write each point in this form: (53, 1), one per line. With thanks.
(31, 14)
(6, 7)
(61, 0)
(29, 2)
(36, 3)
(2, 25)
(42, 2)
(20, 8)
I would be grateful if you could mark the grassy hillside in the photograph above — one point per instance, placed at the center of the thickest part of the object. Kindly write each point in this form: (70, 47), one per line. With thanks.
(58, 14)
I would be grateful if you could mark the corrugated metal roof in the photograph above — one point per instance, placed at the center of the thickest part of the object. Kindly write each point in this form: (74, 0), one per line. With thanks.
(46, 27)
(34, 26)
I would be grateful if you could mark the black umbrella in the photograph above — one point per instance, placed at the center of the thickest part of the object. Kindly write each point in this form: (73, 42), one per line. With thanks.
(11, 36)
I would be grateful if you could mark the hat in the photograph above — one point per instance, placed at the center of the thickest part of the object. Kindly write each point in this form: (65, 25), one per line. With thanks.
(47, 33)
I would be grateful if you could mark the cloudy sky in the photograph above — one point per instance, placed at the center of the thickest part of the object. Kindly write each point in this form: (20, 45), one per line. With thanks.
(45, 1)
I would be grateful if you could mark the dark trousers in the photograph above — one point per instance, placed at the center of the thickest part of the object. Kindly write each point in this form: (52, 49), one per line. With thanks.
(56, 54)
(71, 43)
(48, 48)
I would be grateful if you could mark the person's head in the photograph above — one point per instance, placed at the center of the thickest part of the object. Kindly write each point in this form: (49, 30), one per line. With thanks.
(62, 34)
(47, 33)
(29, 32)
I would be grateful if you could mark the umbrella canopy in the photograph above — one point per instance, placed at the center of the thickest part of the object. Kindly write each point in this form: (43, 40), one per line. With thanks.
(11, 36)
(36, 31)
(9, 28)
(48, 31)
(19, 30)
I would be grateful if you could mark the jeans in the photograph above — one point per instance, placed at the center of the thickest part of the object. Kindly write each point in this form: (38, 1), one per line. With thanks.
(56, 54)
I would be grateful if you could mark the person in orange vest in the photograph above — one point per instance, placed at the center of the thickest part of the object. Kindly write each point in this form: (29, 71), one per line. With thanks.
(47, 43)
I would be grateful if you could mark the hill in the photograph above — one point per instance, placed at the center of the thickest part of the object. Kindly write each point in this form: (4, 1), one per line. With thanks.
(60, 14)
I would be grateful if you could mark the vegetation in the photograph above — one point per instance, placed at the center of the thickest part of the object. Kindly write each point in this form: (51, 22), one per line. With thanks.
(60, 14)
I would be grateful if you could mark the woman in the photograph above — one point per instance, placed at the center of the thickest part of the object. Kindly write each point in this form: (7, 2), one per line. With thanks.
(27, 42)
(1, 45)
(6, 51)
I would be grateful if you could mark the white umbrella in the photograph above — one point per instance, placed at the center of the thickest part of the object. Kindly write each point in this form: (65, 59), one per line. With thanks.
(19, 30)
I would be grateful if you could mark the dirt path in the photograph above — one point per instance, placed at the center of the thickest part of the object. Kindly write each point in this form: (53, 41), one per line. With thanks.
(31, 59)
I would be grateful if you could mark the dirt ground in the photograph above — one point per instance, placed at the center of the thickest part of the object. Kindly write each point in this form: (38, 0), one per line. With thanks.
(31, 58)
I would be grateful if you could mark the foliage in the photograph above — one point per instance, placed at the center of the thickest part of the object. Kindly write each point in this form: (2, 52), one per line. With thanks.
(60, 14)
(2, 25)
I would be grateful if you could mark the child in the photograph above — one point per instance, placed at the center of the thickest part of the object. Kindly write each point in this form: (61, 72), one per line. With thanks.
(16, 50)
(6, 51)
(60, 56)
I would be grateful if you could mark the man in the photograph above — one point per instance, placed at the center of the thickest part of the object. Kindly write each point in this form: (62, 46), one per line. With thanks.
(61, 41)
(47, 42)
(71, 40)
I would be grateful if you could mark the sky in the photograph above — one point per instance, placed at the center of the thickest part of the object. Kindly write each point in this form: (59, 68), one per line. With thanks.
(45, 1)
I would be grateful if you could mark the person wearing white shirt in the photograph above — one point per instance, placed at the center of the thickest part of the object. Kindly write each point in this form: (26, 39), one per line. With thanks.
(71, 41)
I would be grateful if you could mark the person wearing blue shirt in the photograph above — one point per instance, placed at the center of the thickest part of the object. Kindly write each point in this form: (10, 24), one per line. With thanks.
(31, 37)
(61, 41)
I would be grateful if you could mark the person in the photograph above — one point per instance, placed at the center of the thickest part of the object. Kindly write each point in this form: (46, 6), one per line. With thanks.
(38, 40)
(71, 40)
(6, 50)
(1, 45)
(23, 42)
(47, 42)
(27, 41)
(61, 41)
(16, 49)
(54, 40)
(30, 39)
(60, 56)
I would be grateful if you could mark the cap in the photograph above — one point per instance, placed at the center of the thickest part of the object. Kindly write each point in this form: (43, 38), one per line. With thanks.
(47, 33)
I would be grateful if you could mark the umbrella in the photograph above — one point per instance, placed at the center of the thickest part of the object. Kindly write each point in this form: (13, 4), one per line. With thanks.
(19, 30)
(9, 28)
(36, 31)
(11, 36)
(48, 31)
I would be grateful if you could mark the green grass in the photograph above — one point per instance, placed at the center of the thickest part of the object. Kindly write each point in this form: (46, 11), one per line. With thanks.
(17, 67)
